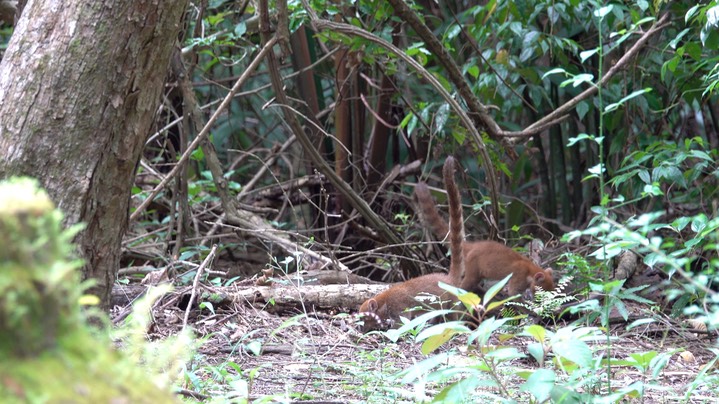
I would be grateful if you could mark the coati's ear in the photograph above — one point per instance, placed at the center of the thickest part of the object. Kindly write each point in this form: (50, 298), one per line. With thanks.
(539, 276)
(372, 305)
(548, 271)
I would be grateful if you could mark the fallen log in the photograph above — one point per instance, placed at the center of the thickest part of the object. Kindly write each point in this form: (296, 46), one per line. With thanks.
(306, 297)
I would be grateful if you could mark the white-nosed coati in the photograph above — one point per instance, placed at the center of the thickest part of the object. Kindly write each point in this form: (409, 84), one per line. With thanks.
(383, 309)
(483, 260)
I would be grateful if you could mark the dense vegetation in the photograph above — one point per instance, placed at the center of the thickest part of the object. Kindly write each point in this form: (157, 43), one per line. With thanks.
(591, 126)
(574, 121)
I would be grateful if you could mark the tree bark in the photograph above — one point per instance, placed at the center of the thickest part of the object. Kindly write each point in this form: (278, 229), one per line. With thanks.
(80, 83)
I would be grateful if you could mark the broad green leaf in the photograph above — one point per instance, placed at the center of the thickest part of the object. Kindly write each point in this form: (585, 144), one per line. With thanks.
(240, 29)
(504, 354)
(582, 109)
(436, 341)
(540, 384)
(691, 13)
(603, 11)
(553, 71)
(612, 107)
(537, 331)
(473, 71)
(644, 176)
(536, 349)
(639, 322)
(587, 54)
(574, 350)
(460, 391)
(255, 347)
(492, 292)
(420, 369)
(582, 136)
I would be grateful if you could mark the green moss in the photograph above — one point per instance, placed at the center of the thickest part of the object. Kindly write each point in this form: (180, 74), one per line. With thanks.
(48, 354)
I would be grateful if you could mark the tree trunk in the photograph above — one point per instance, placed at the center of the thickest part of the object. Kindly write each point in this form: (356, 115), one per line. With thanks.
(80, 83)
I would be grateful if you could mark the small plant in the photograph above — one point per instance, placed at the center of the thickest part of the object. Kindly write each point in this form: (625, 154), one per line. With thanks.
(547, 303)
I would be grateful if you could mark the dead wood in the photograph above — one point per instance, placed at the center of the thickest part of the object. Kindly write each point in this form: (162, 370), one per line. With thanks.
(306, 297)
(318, 277)
(627, 265)
(123, 295)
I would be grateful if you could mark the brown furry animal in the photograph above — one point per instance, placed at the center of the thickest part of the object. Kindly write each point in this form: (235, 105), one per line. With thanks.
(483, 260)
(380, 311)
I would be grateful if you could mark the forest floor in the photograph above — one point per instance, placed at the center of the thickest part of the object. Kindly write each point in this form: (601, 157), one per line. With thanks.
(322, 358)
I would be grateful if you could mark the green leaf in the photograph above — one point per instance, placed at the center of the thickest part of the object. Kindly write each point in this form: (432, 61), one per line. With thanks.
(712, 15)
(587, 54)
(457, 392)
(540, 384)
(209, 306)
(504, 354)
(691, 13)
(561, 394)
(603, 11)
(197, 154)
(441, 117)
(469, 299)
(493, 305)
(536, 349)
(575, 351)
(652, 190)
(255, 347)
(240, 29)
(694, 51)
(658, 363)
(537, 331)
(578, 80)
(612, 107)
(700, 155)
(485, 330)
(420, 369)
(582, 136)
(436, 341)
(554, 71)
(643, 359)
(492, 292)
(473, 71)
(644, 176)
(699, 222)
(582, 109)
(710, 38)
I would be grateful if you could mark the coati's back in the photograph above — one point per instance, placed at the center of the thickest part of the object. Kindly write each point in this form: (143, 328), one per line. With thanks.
(494, 261)
(380, 311)
(481, 259)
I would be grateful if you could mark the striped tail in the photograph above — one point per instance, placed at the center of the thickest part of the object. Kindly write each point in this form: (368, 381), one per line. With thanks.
(456, 223)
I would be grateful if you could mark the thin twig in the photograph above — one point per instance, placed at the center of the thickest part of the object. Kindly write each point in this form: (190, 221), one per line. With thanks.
(196, 283)
(555, 115)
(386, 232)
(322, 25)
(206, 129)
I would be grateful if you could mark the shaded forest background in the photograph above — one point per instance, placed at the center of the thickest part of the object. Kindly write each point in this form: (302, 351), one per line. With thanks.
(326, 141)
(293, 133)
(290, 135)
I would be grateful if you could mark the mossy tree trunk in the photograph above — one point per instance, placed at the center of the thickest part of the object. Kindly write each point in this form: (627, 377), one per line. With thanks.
(80, 84)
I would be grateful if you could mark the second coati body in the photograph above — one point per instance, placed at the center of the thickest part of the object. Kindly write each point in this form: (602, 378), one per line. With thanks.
(382, 310)
(483, 260)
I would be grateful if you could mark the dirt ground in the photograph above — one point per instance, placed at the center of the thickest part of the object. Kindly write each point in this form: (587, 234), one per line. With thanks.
(320, 357)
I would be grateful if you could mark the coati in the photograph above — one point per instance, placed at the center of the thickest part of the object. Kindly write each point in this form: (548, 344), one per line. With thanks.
(483, 260)
(380, 311)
